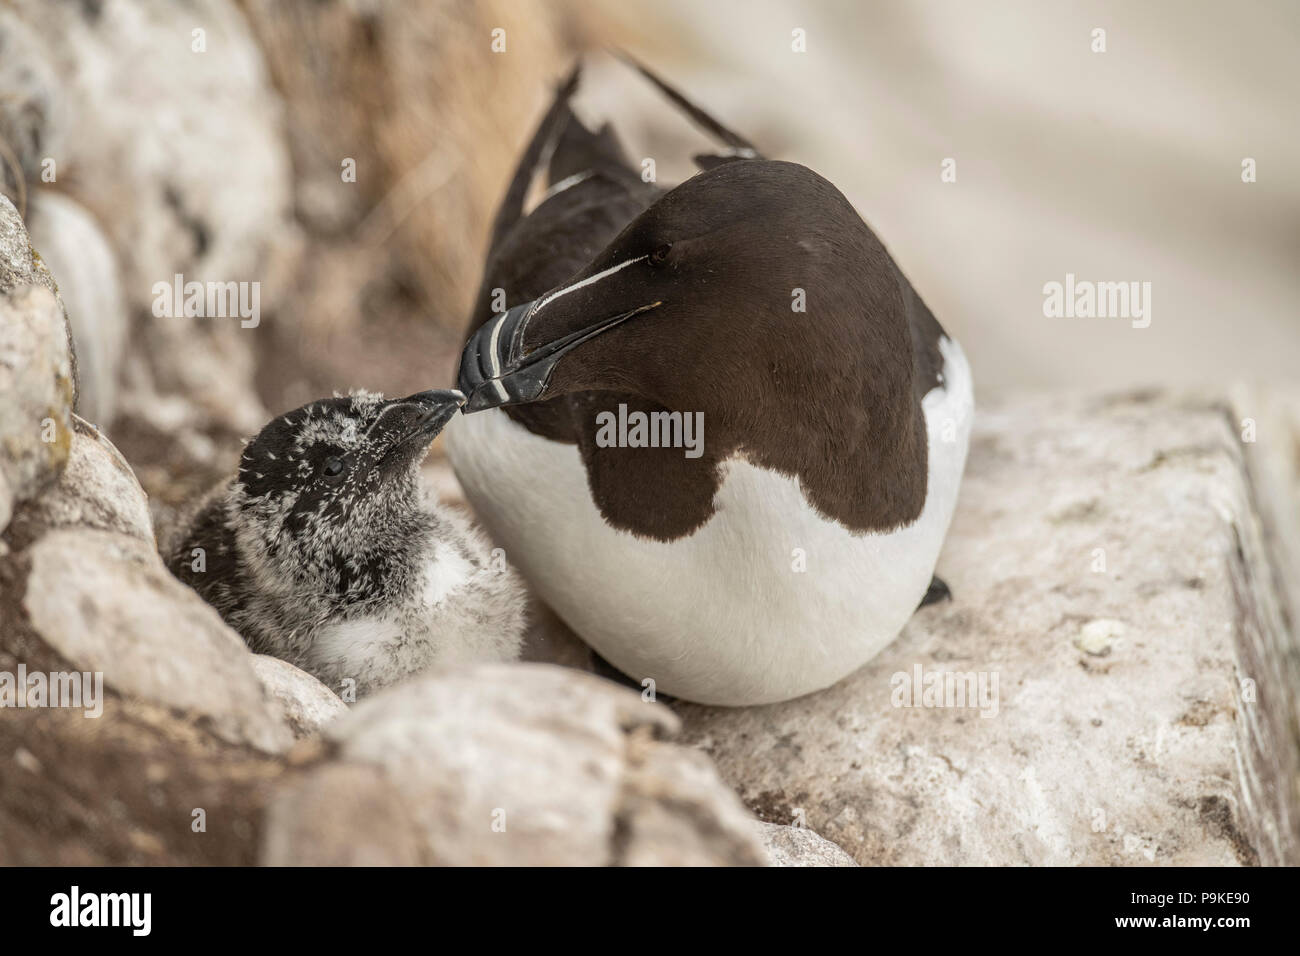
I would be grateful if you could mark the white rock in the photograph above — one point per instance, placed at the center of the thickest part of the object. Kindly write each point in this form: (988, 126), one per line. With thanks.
(524, 764)
(1099, 637)
(341, 814)
(97, 489)
(1076, 514)
(195, 179)
(85, 267)
(304, 703)
(800, 846)
(196, 184)
(106, 603)
(671, 806)
(36, 390)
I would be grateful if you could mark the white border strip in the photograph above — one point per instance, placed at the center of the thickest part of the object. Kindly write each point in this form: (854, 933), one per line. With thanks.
(585, 282)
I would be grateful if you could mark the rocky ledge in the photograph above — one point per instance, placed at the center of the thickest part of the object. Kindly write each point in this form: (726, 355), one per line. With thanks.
(1108, 685)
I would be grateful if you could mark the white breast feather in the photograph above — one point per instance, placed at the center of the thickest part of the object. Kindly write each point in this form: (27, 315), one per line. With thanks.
(721, 616)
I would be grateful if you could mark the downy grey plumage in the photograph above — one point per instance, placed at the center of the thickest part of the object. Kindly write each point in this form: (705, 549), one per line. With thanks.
(326, 550)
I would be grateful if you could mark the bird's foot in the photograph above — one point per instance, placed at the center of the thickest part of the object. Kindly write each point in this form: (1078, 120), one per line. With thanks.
(938, 591)
(603, 668)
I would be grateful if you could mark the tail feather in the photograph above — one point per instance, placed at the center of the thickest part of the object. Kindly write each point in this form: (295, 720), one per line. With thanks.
(740, 146)
(543, 142)
(579, 150)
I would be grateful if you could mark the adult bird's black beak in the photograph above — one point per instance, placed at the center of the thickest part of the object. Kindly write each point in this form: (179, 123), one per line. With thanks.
(496, 371)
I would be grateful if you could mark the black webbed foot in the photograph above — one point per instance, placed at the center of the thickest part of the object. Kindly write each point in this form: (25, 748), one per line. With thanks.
(938, 591)
(603, 668)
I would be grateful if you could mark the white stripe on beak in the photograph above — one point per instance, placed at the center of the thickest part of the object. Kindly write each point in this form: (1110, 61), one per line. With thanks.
(493, 356)
(585, 282)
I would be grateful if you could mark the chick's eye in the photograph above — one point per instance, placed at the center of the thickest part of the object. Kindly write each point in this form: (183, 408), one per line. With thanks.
(660, 255)
(333, 468)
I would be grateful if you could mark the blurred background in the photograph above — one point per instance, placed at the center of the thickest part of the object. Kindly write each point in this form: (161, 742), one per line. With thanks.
(145, 138)
(1122, 165)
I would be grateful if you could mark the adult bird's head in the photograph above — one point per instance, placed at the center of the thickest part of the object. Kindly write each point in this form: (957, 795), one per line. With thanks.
(753, 273)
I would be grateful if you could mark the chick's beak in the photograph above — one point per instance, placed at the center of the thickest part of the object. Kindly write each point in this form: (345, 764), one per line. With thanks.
(420, 417)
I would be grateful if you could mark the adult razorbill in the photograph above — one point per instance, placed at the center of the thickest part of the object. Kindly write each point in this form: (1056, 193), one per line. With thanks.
(794, 542)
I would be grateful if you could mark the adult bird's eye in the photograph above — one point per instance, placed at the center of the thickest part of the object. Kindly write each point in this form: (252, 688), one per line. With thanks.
(660, 255)
(334, 468)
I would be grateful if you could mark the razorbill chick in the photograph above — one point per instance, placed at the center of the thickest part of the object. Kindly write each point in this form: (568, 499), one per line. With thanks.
(327, 551)
(752, 305)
